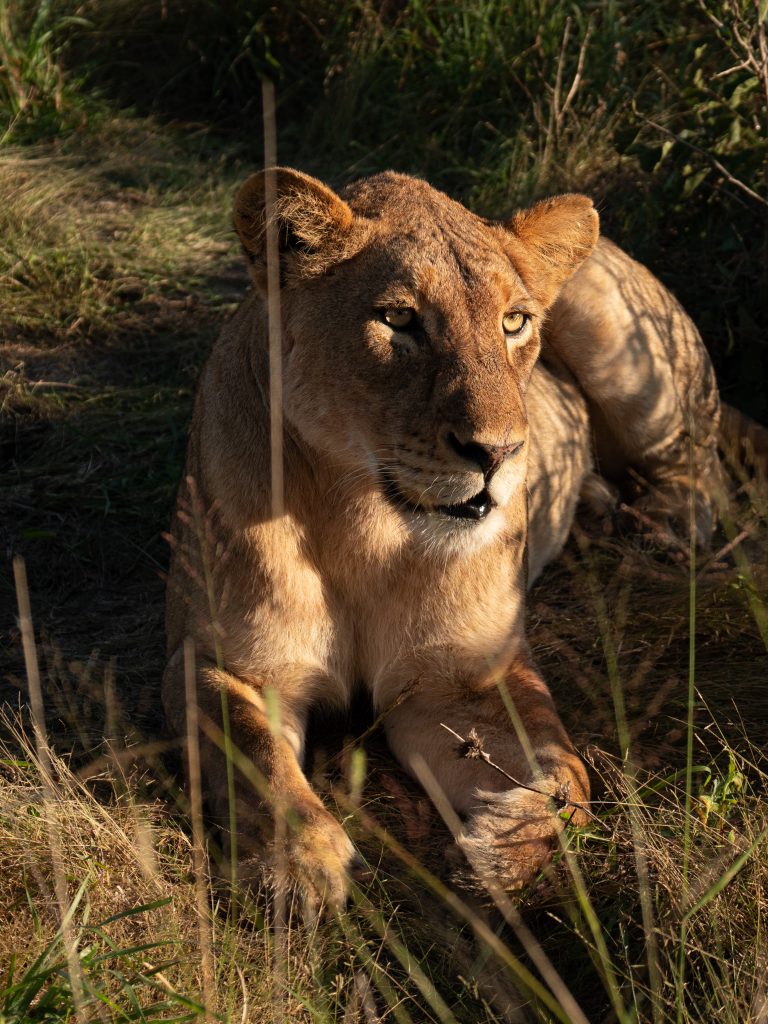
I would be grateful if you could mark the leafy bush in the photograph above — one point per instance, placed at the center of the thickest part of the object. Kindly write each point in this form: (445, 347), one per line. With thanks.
(659, 112)
(34, 90)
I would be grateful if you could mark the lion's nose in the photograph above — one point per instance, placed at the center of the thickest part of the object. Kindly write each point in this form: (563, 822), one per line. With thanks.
(488, 457)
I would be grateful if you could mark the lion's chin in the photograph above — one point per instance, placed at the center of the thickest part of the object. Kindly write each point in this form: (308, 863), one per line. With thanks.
(447, 535)
(454, 530)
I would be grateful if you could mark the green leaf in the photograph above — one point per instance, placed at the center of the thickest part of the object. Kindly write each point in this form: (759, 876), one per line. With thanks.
(133, 911)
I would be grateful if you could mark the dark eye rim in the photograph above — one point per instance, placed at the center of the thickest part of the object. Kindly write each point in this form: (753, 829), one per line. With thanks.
(516, 312)
(412, 324)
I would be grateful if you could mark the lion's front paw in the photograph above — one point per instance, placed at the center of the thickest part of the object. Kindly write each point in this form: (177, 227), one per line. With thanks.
(510, 836)
(319, 855)
(309, 852)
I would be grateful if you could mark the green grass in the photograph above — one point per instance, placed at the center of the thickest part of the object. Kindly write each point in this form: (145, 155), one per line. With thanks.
(126, 132)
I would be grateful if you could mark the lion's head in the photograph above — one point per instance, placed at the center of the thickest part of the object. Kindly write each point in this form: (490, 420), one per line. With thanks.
(410, 331)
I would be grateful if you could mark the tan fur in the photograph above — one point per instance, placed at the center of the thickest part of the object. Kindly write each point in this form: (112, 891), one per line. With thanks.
(653, 399)
(743, 440)
(364, 581)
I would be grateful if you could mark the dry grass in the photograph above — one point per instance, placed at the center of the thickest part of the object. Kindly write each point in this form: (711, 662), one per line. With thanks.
(133, 912)
(406, 944)
(98, 241)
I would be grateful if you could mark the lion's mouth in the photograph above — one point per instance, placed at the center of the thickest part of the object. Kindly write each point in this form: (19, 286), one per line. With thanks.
(475, 508)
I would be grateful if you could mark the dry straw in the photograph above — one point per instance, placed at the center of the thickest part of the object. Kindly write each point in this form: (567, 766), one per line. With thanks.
(50, 801)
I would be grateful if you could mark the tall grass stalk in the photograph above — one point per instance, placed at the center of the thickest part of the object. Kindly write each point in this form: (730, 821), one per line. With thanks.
(50, 800)
(32, 80)
(691, 703)
(464, 912)
(599, 951)
(275, 356)
(609, 632)
(199, 860)
(273, 301)
(203, 523)
(502, 901)
(409, 963)
(757, 606)
(374, 973)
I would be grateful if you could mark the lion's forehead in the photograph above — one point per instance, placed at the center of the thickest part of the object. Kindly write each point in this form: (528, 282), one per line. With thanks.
(470, 255)
(438, 265)
(429, 239)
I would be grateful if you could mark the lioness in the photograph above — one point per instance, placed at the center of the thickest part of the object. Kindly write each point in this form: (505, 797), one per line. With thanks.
(447, 380)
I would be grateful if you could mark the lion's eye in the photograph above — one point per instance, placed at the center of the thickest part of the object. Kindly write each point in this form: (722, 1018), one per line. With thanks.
(513, 323)
(398, 319)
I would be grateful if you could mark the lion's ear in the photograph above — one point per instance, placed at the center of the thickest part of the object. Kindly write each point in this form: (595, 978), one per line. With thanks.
(557, 235)
(315, 228)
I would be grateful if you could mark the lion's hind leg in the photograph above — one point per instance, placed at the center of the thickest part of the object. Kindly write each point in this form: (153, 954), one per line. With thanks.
(654, 403)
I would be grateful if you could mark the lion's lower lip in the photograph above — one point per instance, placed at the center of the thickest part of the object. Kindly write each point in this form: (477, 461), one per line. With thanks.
(475, 508)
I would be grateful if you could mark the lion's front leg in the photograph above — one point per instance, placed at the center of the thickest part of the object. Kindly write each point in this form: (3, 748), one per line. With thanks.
(508, 830)
(275, 827)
